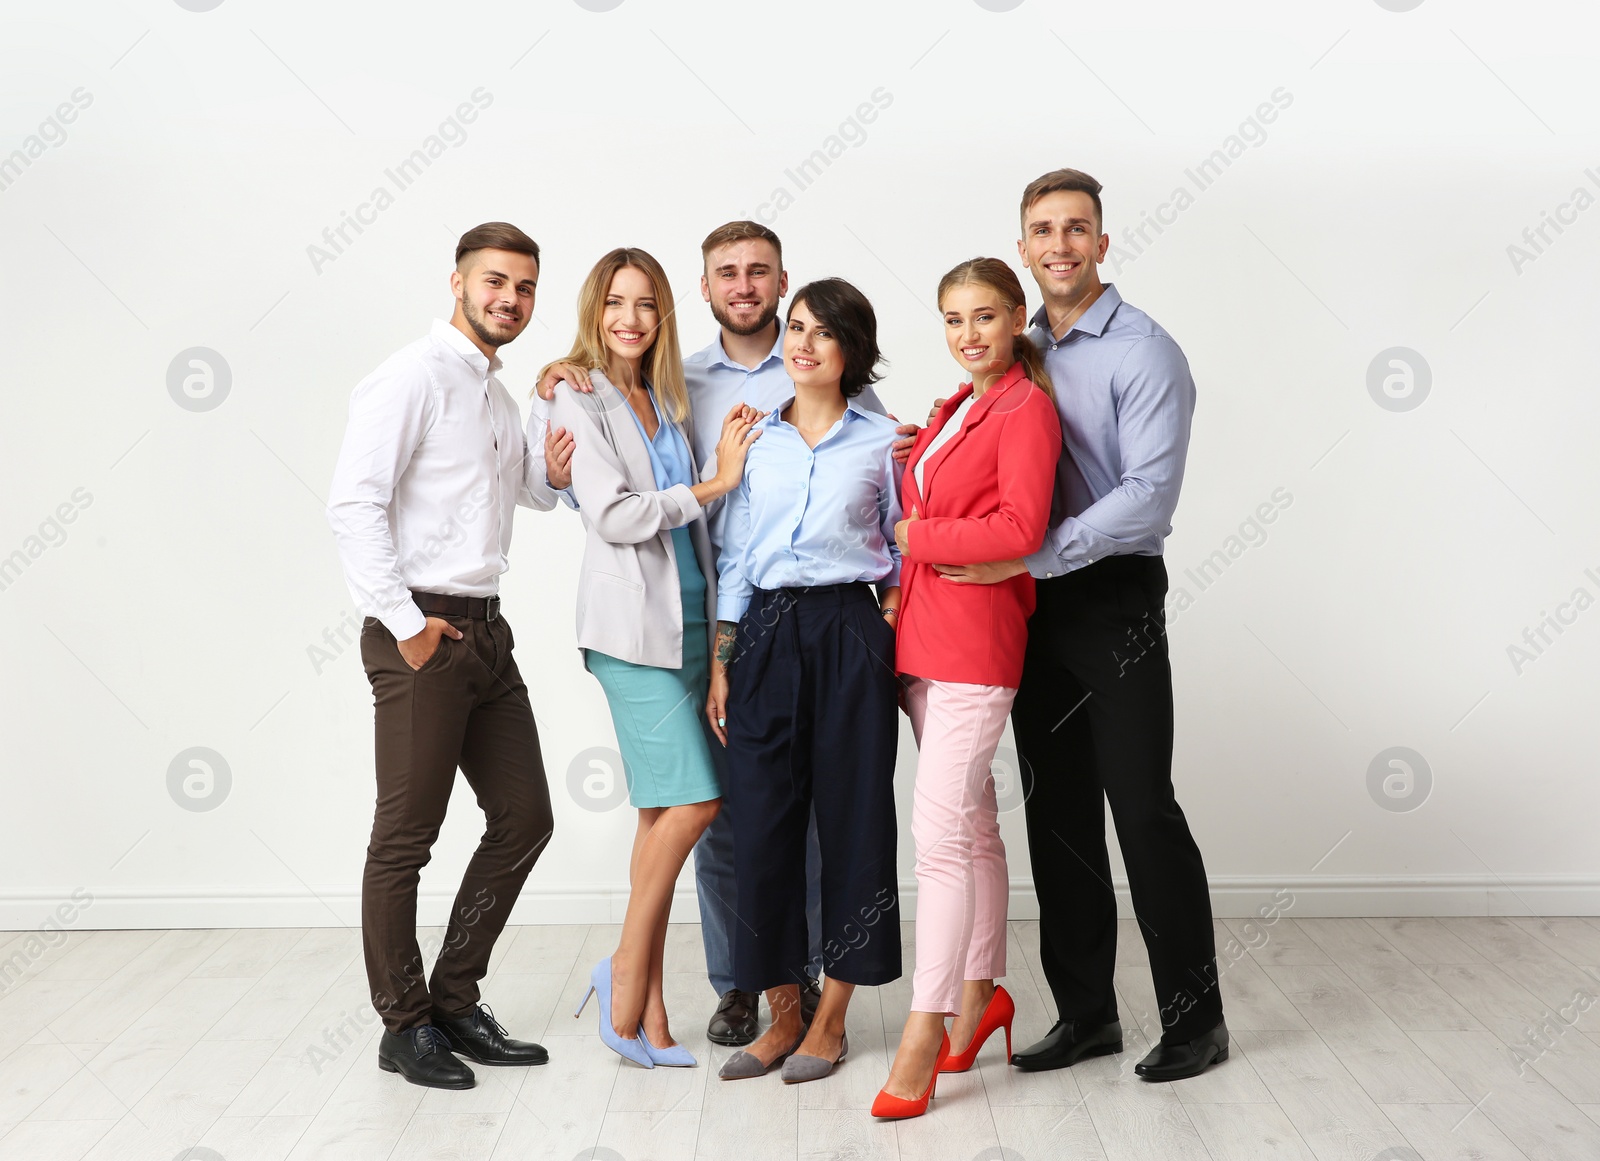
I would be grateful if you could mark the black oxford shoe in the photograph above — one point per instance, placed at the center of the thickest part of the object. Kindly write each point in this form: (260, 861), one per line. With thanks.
(479, 1036)
(736, 1020)
(422, 1056)
(1180, 1061)
(1067, 1043)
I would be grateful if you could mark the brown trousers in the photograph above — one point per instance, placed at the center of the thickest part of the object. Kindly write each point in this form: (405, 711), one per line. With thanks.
(468, 707)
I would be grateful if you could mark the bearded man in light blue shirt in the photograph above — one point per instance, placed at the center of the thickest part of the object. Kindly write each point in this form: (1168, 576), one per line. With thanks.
(744, 283)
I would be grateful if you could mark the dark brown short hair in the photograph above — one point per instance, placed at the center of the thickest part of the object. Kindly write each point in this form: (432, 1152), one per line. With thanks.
(739, 232)
(1057, 181)
(496, 236)
(845, 311)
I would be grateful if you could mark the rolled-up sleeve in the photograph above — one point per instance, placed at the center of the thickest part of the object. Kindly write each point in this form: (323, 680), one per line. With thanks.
(1155, 396)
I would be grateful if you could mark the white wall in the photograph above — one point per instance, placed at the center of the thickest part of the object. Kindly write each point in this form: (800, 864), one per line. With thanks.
(210, 149)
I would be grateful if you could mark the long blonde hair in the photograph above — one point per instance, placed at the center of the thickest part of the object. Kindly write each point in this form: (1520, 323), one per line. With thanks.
(663, 360)
(1000, 278)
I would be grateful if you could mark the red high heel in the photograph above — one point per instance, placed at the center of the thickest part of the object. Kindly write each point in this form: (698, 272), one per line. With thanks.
(892, 1108)
(997, 1014)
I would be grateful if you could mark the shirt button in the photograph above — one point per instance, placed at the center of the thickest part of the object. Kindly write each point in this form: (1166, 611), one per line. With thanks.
(1048, 575)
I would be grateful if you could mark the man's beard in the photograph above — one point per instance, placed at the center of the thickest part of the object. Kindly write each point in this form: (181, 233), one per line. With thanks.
(757, 327)
(480, 326)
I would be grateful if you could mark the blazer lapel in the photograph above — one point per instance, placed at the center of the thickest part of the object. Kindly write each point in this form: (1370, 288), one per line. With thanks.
(975, 416)
(626, 437)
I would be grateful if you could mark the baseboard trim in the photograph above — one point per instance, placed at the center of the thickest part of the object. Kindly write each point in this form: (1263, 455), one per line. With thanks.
(1231, 897)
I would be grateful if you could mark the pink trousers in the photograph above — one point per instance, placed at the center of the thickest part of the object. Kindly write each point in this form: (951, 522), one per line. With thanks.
(962, 885)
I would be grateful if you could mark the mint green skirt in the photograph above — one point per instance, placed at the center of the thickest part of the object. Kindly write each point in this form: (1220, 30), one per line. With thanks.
(659, 714)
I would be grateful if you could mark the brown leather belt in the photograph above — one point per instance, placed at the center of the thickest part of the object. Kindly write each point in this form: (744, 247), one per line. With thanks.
(477, 608)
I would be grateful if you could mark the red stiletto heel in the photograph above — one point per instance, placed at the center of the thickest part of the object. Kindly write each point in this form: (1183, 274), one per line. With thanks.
(893, 1108)
(998, 1014)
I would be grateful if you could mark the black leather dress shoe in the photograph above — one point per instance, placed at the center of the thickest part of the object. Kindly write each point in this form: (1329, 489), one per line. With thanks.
(736, 1020)
(810, 997)
(1179, 1061)
(1067, 1043)
(422, 1056)
(479, 1036)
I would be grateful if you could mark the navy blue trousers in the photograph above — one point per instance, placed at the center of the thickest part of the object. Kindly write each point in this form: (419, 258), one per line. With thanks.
(813, 728)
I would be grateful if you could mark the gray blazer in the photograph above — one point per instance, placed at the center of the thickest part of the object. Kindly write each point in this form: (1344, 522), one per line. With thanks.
(629, 601)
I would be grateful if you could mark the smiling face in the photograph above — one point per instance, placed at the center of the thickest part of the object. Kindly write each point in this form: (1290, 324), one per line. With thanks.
(811, 354)
(1062, 245)
(744, 282)
(631, 316)
(981, 332)
(494, 293)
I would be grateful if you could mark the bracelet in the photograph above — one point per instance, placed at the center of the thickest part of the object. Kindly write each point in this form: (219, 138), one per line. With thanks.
(891, 611)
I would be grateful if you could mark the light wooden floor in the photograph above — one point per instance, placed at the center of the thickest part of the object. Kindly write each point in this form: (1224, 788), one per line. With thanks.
(1353, 1040)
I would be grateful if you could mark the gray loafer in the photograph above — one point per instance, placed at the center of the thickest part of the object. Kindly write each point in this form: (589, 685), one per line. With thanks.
(743, 1065)
(800, 1067)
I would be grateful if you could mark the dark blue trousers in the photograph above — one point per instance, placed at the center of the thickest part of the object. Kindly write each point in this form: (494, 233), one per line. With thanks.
(813, 727)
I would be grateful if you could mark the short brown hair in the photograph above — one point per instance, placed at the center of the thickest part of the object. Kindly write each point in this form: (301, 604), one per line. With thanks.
(739, 232)
(496, 236)
(1057, 181)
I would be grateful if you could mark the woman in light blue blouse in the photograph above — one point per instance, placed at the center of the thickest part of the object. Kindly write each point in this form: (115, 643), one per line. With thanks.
(803, 688)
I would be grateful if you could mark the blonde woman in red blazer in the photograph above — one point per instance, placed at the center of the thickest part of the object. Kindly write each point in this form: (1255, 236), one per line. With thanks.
(977, 487)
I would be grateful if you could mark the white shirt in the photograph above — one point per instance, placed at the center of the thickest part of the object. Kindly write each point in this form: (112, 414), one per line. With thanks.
(946, 434)
(432, 467)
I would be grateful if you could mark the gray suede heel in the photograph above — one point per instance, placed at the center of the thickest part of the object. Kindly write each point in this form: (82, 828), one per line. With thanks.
(800, 1068)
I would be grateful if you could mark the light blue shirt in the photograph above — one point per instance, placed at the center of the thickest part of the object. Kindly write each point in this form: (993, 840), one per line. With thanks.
(1126, 400)
(807, 516)
(716, 383)
(669, 453)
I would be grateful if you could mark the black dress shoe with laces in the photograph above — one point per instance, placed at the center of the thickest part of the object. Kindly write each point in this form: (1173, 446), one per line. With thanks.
(736, 1021)
(1181, 1061)
(479, 1036)
(422, 1056)
(1067, 1043)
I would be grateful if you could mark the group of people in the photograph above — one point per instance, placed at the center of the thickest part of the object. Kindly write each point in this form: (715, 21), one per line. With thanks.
(773, 569)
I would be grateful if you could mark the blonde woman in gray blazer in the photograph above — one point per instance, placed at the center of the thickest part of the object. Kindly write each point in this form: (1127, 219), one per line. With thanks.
(646, 608)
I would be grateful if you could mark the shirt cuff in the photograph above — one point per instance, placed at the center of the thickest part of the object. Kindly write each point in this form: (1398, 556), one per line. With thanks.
(404, 620)
(732, 606)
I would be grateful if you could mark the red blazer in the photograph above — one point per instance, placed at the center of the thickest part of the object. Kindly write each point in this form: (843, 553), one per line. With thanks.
(988, 498)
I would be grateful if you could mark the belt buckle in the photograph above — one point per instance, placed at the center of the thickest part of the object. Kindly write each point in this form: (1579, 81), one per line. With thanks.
(492, 608)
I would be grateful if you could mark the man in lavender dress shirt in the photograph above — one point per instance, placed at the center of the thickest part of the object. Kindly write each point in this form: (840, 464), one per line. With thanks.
(1093, 715)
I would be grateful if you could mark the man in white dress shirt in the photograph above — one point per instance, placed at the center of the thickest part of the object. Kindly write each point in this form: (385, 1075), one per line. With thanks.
(432, 467)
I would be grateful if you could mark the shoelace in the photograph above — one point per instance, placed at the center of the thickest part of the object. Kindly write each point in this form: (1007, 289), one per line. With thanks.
(430, 1039)
(485, 1016)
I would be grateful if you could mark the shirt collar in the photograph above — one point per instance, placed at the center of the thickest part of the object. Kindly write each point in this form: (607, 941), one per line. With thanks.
(1093, 321)
(481, 364)
(719, 354)
(852, 406)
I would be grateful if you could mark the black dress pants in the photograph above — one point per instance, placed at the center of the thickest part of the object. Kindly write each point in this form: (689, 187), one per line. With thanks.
(1093, 720)
(813, 725)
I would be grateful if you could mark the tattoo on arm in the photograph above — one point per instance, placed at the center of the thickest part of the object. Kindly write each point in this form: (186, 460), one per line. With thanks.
(726, 631)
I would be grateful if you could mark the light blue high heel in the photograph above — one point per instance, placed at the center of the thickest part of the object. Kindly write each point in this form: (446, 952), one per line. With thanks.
(600, 984)
(674, 1056)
